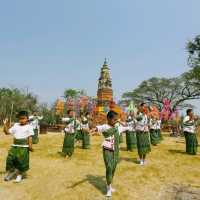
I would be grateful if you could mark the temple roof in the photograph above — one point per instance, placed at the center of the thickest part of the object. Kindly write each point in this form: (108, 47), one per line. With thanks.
(105, 81)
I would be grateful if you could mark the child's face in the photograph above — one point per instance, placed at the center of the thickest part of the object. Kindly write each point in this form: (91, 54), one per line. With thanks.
(191, 113)
(71, 114)
(23, 120)
(143, 108)
(113, 121)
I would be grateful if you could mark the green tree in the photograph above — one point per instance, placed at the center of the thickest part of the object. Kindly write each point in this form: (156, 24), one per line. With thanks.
(13, 100)
(193, 48)
(48, 113)
(155, 90)
(71, 93)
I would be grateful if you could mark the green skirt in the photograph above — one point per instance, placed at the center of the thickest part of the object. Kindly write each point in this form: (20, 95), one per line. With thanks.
(110, 163)
(191, 143)
(131, 140)
(143, 143)
(160, 135)
(86, 140)
(68, 145)
(18, 158)
(78, 135)
(121, 140)
(35, 138)
(154, 136)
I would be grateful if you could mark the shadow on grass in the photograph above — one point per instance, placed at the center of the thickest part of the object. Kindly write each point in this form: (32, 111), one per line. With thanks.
(175, 151)
(123, 149)
(97, 181)
(132, 160)
(181, 142)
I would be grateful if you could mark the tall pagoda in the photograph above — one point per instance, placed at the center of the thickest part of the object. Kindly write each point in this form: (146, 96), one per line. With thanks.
(105, 92)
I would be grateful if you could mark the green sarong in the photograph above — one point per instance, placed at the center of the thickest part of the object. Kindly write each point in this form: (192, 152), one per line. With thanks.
(78, 135)
(111, 158)
(131, 140)
(86, 140)
(68, 145)
(18, 157)
(110, 164)
(154, 137)
(191, 143)
(121, 139)
(143, 143)
(159, 135)
(35, 138)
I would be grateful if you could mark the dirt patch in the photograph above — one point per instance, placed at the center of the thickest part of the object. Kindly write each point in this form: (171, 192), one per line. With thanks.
(180, 192)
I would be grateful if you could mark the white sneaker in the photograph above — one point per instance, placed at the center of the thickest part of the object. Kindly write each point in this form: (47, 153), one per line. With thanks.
(18, 179)
(141, 162)
(109, 193)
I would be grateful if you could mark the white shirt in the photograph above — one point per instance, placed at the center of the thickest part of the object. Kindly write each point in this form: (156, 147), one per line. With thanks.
(131, 125)
(159, 122)
(35, 121)
(188, 125)
(70, 128)
(142, 125)
(153, 124)
(65, 119)
(21, 132)
(84, 126)
(105, 127)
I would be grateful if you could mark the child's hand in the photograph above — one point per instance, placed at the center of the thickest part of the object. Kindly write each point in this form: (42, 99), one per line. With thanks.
(31, 149)
(94, 129)
(5, 122)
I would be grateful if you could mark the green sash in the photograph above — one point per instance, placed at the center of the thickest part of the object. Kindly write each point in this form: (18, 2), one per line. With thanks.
(20, 141)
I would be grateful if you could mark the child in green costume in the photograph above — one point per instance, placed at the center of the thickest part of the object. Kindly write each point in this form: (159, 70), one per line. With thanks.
(142, 133)
(131, 140)
(111, 132)
(70, 133)
(17, 163)
(190, 133)
(85, 133)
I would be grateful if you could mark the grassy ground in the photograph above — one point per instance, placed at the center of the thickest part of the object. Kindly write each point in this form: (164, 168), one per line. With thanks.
(82, 177)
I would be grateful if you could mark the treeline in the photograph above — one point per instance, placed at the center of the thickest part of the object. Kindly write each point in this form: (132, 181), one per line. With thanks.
(12, 100)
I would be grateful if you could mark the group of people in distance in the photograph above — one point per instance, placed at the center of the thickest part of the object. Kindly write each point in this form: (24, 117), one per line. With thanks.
(141, 130)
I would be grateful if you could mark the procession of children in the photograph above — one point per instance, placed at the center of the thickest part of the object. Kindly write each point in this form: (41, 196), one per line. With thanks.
(142, 129)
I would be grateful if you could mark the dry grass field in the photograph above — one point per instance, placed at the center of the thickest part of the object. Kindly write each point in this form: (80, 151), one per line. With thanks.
(169, 174)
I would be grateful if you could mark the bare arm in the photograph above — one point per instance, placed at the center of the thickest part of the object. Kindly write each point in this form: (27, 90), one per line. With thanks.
(30, 143)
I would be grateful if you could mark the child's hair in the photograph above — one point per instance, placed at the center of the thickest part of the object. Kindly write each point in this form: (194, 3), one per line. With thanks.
(22, 113)
(189, 111)
(142, 104)
(69, 111)
(111, 114)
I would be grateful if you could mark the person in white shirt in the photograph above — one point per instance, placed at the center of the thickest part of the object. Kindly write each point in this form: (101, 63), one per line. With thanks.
(111, 132)
(190, 132)
(35, 123)
(131, 140)
(17, 163)
(70, 133)
(154, 136)
(142, 133)
(84, 126)
(159, 131)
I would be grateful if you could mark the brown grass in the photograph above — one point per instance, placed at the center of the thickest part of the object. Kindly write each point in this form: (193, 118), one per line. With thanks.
(82, 177)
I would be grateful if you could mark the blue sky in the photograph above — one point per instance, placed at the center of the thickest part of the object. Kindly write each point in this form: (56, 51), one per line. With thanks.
(48, 45)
